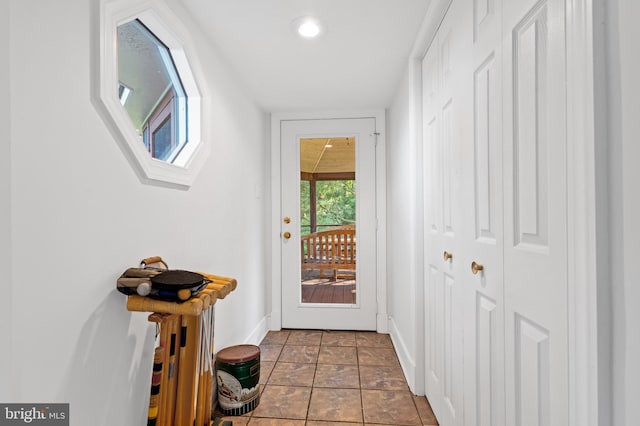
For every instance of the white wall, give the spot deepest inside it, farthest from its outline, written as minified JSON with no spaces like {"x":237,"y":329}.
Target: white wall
{"x":5,"y":206}
{"x":623,"y":68}
{"x":401,"y":232}
{"x":81,"y":216}
{"x":405,"y":207}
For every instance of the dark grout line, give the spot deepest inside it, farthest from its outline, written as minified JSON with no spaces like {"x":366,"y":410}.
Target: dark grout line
{"x":358,"y":347}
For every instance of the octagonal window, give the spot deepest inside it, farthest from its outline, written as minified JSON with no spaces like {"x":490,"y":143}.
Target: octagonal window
{"x":150,"y":90}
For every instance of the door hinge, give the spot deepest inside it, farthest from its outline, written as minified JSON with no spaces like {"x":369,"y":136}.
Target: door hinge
{"x":375,"y":139}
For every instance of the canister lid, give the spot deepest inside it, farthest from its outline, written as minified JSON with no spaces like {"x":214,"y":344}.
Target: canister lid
{"x":238,"y":353}
{"x":176,"y":279}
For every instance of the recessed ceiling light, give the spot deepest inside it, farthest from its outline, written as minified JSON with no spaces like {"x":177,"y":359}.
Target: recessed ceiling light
{"x":307,"y":27}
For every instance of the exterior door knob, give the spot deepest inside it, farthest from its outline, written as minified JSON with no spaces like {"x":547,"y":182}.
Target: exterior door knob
{"x":476,"y":267}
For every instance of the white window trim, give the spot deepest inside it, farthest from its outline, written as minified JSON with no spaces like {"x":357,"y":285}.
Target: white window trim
{"x":167,"y":27}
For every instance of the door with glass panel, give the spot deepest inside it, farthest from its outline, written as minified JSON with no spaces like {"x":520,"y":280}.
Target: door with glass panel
{"x":328,"y":224}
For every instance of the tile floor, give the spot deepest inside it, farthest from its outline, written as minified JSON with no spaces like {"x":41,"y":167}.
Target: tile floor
{"x":320,"y":378}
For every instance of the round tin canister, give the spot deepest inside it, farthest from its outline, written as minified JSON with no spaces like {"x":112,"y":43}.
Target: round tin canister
{"x":238,"y":374}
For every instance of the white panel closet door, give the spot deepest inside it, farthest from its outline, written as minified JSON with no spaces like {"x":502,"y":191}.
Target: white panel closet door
{"x":432,"y":226}
{"x":535,"y":198}
{"x":446,"y":115}
{"x":484,"y":291}
{"x":495,"y":194}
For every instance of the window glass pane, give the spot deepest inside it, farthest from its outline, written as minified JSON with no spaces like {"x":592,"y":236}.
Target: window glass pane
{"x":327,"y":221}
{"x":147,"y":77}
{"x":145,"y":137}
{"x":336,"y":203}
{"x":162,"y":141}
{"x":305,"y":209}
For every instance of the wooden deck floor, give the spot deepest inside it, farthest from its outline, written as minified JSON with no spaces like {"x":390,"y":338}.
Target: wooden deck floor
{"x":326,"y":290}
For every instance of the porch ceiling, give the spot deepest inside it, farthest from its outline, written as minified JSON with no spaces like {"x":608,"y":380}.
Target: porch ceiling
{"x":328,"y":155}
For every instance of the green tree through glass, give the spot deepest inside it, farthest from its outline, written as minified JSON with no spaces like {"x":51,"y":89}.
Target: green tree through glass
{"x":335,"y":204}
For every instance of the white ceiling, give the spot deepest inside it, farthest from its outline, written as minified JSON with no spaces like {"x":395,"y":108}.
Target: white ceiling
{"x":357,"y":62}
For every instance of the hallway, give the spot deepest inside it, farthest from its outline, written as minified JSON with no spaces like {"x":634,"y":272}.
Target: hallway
{"x":345,"y":378}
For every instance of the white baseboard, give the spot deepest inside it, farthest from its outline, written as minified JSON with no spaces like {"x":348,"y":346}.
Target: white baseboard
{"x":258,"y":333}
{"x":407,"y":362}
{"x":274,"y":320}
{"x":382,"y":323}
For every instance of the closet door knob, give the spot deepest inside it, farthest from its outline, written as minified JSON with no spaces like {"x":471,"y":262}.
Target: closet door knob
{"x":286,"y":235}
{"x":476,"y":267}
{"x":447,"y":255}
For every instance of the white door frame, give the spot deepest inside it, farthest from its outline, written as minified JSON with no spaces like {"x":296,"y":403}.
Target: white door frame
{"x":275,"y":310}
{"x":584,"y":364}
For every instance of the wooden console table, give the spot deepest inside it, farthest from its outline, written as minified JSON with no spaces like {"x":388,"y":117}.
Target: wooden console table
{"x":182,"y":380}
